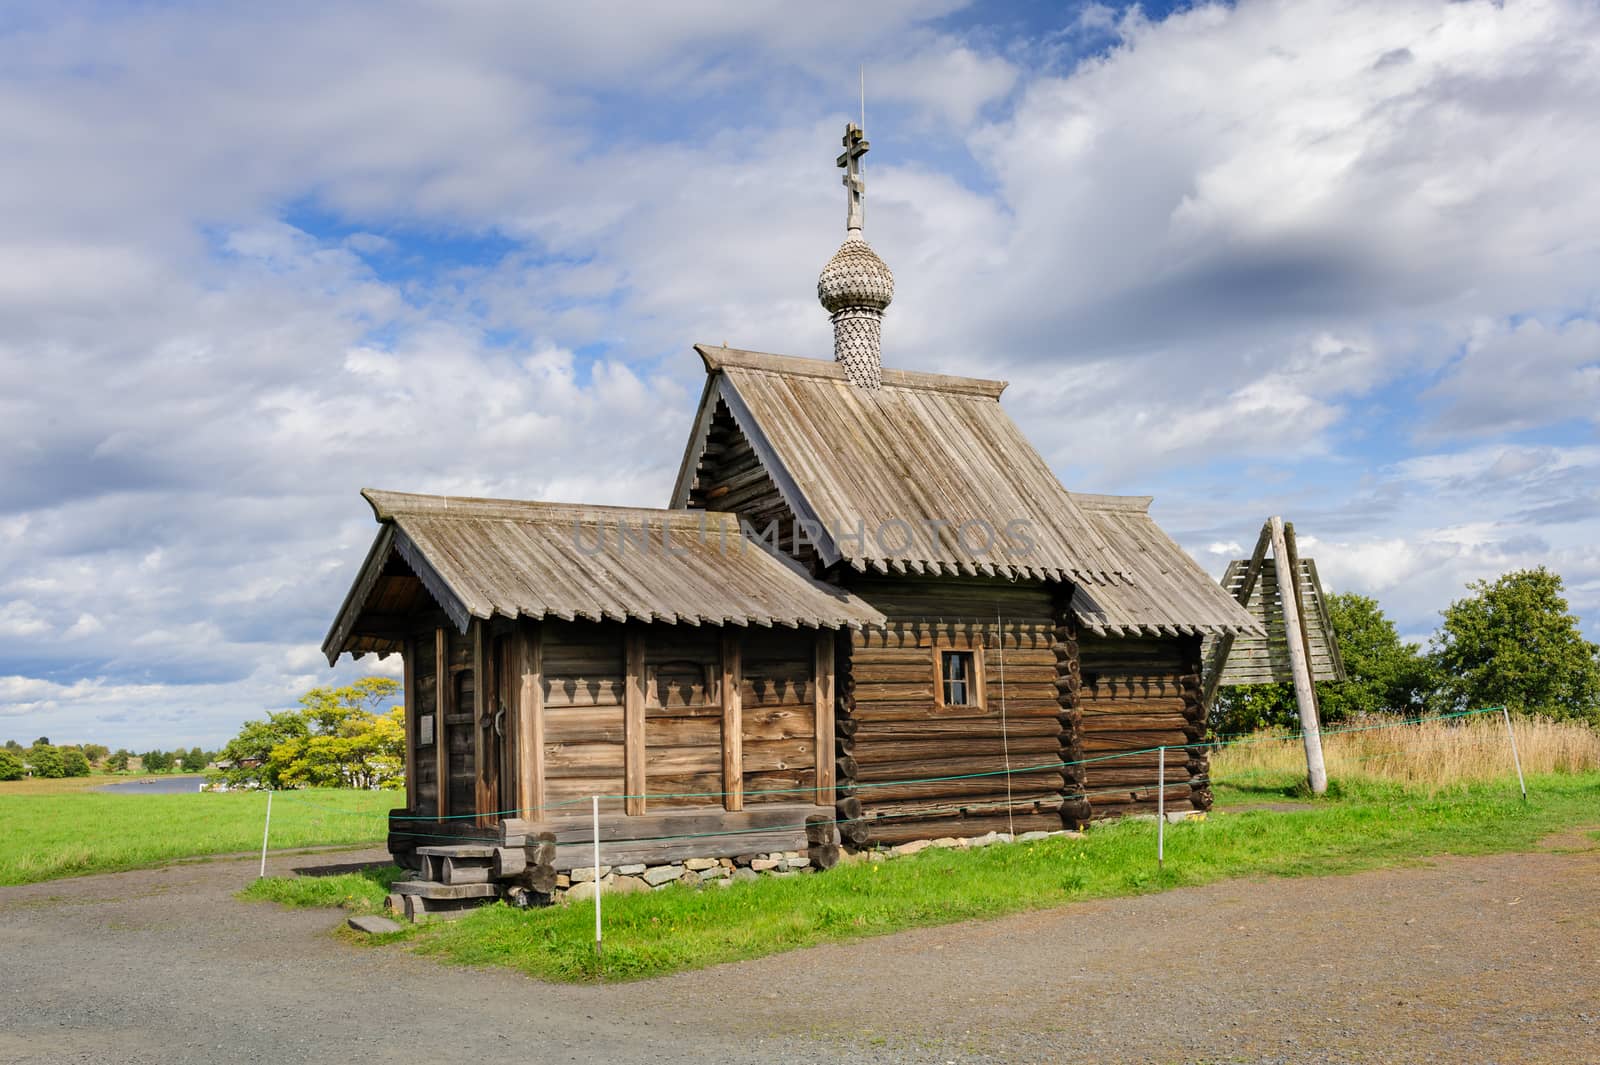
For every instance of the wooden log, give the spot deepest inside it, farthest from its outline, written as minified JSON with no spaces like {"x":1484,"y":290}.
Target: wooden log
{"x":508,"y":862}
{"x":852,"y":829}
{"x":823,"y":855}
{"x":1029,"y":802}
{"x":950,"y":767}
{"x":633,"y":723}
{"x":972,"y":727}
{"x":978,"y":787}
{"x":464,"y":871}
{"x":890,"y":832}
{"x":1022,"y":749}
{"x":732,"y":738}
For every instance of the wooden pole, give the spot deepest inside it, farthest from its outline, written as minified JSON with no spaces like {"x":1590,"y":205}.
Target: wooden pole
{"x":633,"y":773}
{"x":443,"y":688}
{"x":530,"y":729}
{"x":408,"y":660}
{"x":1305,"y":695}
{"x":822,"y":711}
{"x":595,"y":813}
{"x":732,"y":722}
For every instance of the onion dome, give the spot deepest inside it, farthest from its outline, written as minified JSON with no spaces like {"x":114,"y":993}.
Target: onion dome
{"x":855,"y":278}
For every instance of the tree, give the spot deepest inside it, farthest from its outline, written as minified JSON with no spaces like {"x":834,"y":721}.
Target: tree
{"x":118,"y":762}
{"x":74,"y":763}
{"x":96,"y":752}
{"x":10,"y":764}
{"x":1513,"y":643}
{"x":156,"y":761}
{"x":335,"y":740}
{"x":45,"y":760}
{"x":195,"y":759}
{"x":1384,"y":674}
{"x":14,"y":747}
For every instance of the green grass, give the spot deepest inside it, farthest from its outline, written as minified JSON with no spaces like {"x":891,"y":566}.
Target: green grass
{"x":46,"y":836}
{"x":668,"y":931}
{"x":359,"y":892}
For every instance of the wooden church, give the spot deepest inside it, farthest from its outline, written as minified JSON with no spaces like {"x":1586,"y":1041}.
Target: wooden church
{"x":870,"y":614}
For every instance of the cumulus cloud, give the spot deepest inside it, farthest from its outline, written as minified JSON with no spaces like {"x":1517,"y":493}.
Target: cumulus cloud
{"x":1260,"y":257}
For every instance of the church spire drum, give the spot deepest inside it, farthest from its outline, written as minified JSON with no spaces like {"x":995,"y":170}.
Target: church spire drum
{"x":856,"y":286}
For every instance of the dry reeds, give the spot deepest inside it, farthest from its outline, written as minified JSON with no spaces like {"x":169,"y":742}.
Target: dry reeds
{"x":1431,"y":754}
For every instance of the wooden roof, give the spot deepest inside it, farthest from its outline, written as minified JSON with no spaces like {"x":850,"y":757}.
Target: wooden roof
{"x":923,"y":447}
{"x":1263,"y":656}
{"x":1169,"y":593}
{"x":481,"y":558}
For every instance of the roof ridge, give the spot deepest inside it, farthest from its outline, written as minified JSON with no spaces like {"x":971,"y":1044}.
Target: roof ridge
{"x":387,"y":506}
{"x":717,"y":357}
{"x":1099,"y":501}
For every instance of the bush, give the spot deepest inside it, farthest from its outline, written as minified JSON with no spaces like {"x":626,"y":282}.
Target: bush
{"x":74,"y":763}
{"x":46,"y":761}
{"x":10,"y":765}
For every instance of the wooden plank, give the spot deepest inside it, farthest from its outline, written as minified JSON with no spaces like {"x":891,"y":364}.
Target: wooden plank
{"x":413,"y":712}
{"x":823,"y":687}
{"x":633,"y":773}
{"x":482,"y":716}
{"x":530,"y":712}
{"x":442,"y":689}
{"x":732,"y":722}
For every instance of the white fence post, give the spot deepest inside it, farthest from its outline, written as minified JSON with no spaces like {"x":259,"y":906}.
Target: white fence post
{"x":596,"y":811}
{"x":1516,"y":758}
{"x":265,"y":831}
{"x":1161,"y":808}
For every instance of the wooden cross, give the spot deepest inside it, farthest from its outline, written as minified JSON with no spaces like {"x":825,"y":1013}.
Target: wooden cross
{"x":855,"y":146}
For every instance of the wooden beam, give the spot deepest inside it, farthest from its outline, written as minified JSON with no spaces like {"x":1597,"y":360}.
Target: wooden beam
{"x":732,"y":720}
{"x":1224,"y":646}
{"x":530,"y":726}
{"x":408,"y":692}
{"x":823,"y":702}
{"x":482,"y":714}
{"x":1305,"y":696}
{"x":442,"y":691}
{"x":633,"y":723}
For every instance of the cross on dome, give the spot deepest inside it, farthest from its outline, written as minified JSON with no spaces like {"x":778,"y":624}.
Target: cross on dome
{"x":855,"y":146}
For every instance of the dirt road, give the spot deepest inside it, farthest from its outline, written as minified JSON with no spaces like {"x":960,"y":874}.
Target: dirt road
{"x":1483,"y":960}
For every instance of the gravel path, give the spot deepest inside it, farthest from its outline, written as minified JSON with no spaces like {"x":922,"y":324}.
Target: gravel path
{"x":1491,"y":959}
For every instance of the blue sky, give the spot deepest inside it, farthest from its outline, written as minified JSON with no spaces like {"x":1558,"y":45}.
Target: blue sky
{"x":1334,"y":259}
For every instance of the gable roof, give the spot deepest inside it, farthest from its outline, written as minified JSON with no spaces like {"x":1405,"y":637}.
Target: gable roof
{"x":481,"y":558}
{"x":924,"y":447}
{"x":1169,"y":593}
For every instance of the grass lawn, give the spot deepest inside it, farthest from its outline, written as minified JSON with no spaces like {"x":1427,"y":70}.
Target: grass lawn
{"x":1366,"y":825}
{"x":47,"y":833}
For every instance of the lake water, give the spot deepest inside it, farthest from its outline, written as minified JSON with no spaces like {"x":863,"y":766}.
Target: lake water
{"x":159,"y":786}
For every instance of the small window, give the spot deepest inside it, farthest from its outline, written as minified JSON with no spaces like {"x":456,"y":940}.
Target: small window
{"x":958,"y":678}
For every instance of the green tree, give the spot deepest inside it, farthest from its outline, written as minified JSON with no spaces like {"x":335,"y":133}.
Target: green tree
{"x":336,"y":739}
{"x":195,"y":759}
{"x":96,"y":752}
{"x":14,"y":747}
{"x":46,"y":761}
{"x":1514,"y":643}
{"x":118,"y":761}
{"x":156,"y":761}
{"x":1384,"y":674}
{"x":10,"y":764}
{"x":74,"y":763}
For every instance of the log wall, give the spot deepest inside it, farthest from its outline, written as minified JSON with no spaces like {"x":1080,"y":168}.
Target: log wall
{"x":459,"y":724}
{"x":584,"y":681}
{"x":423,"y":701}
{"x":730,"y":478}
{"x":1138,"y":693}
{"x":892,"y":729}
{"x":777,"y":695}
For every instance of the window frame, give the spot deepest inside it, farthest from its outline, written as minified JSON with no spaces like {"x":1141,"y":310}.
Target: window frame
{"x":978,"y":703}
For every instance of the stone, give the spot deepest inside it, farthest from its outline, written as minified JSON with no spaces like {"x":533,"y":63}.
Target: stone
{"x":657,"y":875}
{"x":394,"y":902}
{"x":690,"y":878}
{"x":373,"y":925}
{"x":628,"y":885}
{"x":716,"y":872}
{"x":726,"y":863}
{"x":579,"y":892}
{"x":723,"y":883}
{"x":988,"y":839}
{"x":782,"y":872}
{"x":876,"y":856}
{"x":945,"y":843}
{"x":743,"y":859}
{"x":586,"y":872}
{"x":764,"y":865}
{"x":916,"y":846}
{"x":745,"y":874}
{"x":636,"y":869}
{"x":563,"y":880}
{"x":696,"y":865}
{"x":796,"y":863}
{"x":1030,"y":837}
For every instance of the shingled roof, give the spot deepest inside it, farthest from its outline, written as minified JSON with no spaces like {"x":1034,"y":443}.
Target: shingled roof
{"x":924,"y":446}
{"x":481,"y":558}
{"x":1169,"y":593}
